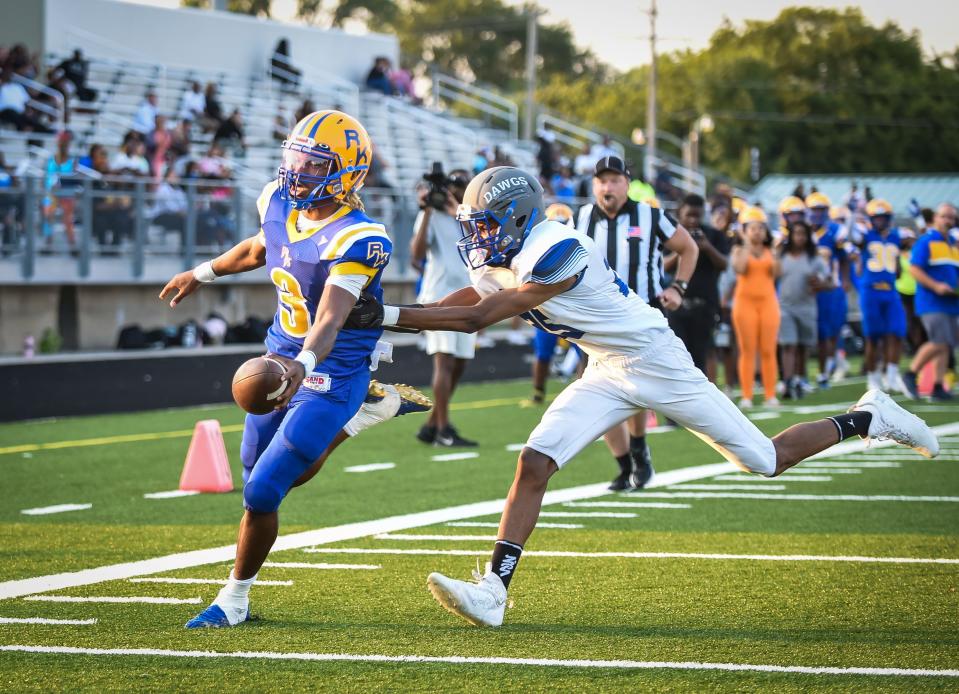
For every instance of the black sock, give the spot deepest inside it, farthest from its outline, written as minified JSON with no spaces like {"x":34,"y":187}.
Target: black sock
{"x":625,"y":463}
{"x":852,"y":424}
{"x":637,"y":444}
{"x":505,"y":558}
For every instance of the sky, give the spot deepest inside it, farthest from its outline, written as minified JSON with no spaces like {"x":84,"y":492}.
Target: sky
{"x":617,"y":31}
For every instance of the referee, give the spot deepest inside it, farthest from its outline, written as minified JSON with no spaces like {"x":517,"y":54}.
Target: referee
{"x":633,"y":235}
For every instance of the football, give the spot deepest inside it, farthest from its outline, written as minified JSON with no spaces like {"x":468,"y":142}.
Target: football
{"x":257,"y":384}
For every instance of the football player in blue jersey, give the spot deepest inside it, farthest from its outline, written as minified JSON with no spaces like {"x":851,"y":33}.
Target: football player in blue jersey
{"x":883,"y":316}
{"x":321,"y":252}
{"x":831,"y":304}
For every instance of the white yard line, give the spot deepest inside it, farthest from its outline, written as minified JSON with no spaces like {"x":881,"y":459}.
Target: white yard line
{"x":371,"y":467}
{"x":455,"y":456}
{"x":814,"y":469}
{"x":351,"y":531}
{"x":202,"y":581}
{"x":788,"y":496}
{"x":307,"y":565}
{"x":474,"y":660}
{"x":647,"y":555}
{"x":44,"y":620}
{"x":59,"y":508}
{"x":104,"y":598}
{"x":566,"y":514}
{"x":515,"y":447}
{"x":744,"y":477}
{"x":848,"y":464}
{"x":723,"y":487}
{"x":451,"y":538}
{"x":172,"y":494}
{"x":494,"y":524}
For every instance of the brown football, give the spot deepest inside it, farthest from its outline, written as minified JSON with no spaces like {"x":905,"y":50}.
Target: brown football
{"x":257,"y":384}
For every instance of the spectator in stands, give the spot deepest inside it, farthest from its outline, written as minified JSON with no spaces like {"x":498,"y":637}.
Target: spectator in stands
{"x":402,"y":81}
{"x":75,"y":70}
{"x":14,"y":100}
{"x":935,"y":265}
{"x":545,"y":155}
{"x":10,"y":208}
{"x":694,"y":321}
{"x":213,"y":165}
{"x":231,"y":130}
{"x":144,"y":121}
{"x":755,"y":308}
{"x":61,"y":186}
{"x":603,"y":149}
{"x":803,"y":274}
{"x":212,"y":109}
{"x":305,"y":109}
{"x":180,"y":144}
{"x":21,"y":63}
{"x":435,"y":233}
{"x":481,"y":160}
{"x":378,"y":78}
{"x":158,"y":144}
{"x":282,"y":69}
{"x":192,"y":103}
{"x":170,"y":203}
{"x":564,"y":187}
{"x":665,"y":190}
{"x":131,"y":159}
{"x":112,"y":216}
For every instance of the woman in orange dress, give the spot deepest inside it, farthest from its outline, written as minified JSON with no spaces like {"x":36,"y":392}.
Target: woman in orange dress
{"x":755,"y":305}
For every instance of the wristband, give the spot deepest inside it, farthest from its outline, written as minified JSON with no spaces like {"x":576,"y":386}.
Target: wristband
{"x":204,"y":272}
{"x":308,"y":360}
{"x":680,"y":286}
{"x":391,"y":315}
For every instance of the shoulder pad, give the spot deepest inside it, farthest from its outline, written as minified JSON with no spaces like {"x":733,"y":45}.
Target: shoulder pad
{"x":263,"y":202}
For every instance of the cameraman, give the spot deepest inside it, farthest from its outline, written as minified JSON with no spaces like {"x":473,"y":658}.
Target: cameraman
{"x":435,"y":235}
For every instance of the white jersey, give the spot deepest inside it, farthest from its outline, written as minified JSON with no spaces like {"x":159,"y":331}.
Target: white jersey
{"x":599,"y":313}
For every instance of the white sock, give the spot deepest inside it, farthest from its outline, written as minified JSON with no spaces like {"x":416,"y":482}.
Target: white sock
{"x":234,"y":598}
{"x":892,"y":373}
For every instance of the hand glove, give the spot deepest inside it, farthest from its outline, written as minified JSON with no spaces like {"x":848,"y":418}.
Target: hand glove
{"x":367,"y":313}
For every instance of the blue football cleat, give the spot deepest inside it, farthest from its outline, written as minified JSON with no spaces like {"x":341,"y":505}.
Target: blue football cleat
{"x":213,"y":617}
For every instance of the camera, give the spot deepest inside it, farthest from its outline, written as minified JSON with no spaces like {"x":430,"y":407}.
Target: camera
{"x":439,"y":187}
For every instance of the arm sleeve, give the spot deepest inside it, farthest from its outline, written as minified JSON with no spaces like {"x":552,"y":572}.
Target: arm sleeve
{"x":565,"y":259}
{"x":354,"y":284}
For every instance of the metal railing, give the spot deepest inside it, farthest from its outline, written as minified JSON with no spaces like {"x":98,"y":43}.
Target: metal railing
{"x":57,"y":112}
{"x":572,"y":135}
{"x":494,"y":107}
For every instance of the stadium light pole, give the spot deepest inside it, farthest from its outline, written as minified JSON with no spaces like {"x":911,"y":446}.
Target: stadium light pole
{"x":532,"y":15}
{"x":651,"y":98}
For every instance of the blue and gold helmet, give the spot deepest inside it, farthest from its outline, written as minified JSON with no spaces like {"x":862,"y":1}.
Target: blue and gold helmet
{"x":326,"y":156}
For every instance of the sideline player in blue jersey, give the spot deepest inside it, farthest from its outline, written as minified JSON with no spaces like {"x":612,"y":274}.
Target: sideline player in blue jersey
{"x":831,"y":304}
{"x":883,"y":317}
{"x":321,"y":252}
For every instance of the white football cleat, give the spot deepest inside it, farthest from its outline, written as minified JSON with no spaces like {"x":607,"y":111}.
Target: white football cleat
{"x":890,"y":421}
{"x":481,"y":604}
{"x":385,"y":401}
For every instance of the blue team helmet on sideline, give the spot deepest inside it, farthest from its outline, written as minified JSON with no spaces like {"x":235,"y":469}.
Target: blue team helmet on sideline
{"x":500,"y":206}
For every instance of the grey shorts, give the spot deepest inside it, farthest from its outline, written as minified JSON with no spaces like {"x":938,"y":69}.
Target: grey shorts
{"x":797,"y":325}
{"x":942,"y":328}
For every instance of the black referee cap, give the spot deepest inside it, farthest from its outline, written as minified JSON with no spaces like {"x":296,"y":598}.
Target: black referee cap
{"x":611,"y":164}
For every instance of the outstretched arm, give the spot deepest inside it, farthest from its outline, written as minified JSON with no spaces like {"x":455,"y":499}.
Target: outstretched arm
{"x":492,"y":309}
{"x":248,"y":254}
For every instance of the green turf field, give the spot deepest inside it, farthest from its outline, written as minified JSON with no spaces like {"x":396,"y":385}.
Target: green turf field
{"x":776,"y":579}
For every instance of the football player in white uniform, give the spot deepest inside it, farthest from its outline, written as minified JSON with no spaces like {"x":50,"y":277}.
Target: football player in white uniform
{"x":556,"y":278}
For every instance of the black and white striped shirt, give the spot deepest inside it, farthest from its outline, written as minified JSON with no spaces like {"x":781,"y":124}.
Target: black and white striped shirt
{"x":635,"y":248}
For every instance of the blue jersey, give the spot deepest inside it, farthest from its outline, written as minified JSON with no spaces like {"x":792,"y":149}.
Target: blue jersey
{"x":880,"y":259}
{"x":830,"y":248}
{"x":300,"y":262}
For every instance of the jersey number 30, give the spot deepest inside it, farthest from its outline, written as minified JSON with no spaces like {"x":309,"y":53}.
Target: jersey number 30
{"x":294,"y":315}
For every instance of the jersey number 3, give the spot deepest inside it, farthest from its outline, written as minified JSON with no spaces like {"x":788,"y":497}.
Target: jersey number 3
{"x":294,"y":315}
